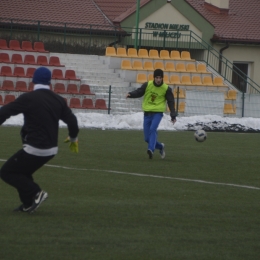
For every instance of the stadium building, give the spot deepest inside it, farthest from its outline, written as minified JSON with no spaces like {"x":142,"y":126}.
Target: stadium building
{"x":224,"y":34}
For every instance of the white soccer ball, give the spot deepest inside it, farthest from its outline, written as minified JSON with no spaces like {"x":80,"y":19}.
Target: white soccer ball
{"x":200,"y":135}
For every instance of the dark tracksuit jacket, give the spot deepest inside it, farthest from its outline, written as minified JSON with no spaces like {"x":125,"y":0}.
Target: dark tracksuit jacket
{"x":42,"y":109}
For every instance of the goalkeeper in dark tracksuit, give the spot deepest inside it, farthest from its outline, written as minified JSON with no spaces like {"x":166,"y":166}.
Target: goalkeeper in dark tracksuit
{"x":156,"y":93}
{"x":42,"y":110}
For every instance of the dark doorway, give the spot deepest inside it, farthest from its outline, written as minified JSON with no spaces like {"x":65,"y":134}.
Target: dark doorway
{"x":239,"y":80}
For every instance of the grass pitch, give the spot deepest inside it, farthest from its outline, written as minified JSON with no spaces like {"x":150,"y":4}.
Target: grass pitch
{"x":111,"y":202}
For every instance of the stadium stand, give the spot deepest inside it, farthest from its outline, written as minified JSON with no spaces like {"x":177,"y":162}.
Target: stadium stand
{"x":141,"y":78}
{"x":8,"y":98}
{"x":84,"y":89}
{"x":3,"y":44}
{"x":19,"y":72}
{"x":175,"y":79}
{"x":72,"y":89}
{"x":185,"y":55}
{"x":159,"y":65}
{"x":29,"y":59}
{"x":169,"y":66}
{"x":121,"y":52}
{"x":17,"y":58}
{"x":207,"y":81}
{"x":14,"y":45}
{"x":59,"y":88}
{"x":191,"y":67}
{"x":180,"y":67}
{"x":175,"y":55}
{"x":182,"y":93}
{"x":126,"y":65}
{"x":196,"y":80}
{"x":132,"y":52}
{"x":39,"y":47}
{"x":74,"y":103}
{"x":148,"y":65}
{"x":57,"y":74}
{"x":87,"y":103}
{"x":54,"y":61}
{"x":21,"y":86}
{"x":229,"y":109}
{"x":27,"y":46}
{"x":110,"y":51}
{"x":154,"y":54}
{"x":6,"y":71}
{"x":42,"y":60}
{"x":30,"y":72}
{"x":101,"y":104}
{"x":164,"y":54}
{"x":8,"y":85}
{"x":231,"y":95}
{"x":185,"y":80}
{"x":4,"y":57}
{"x":70,"y":75}
{"x":143,"y":53}
{"x":137,"y":65}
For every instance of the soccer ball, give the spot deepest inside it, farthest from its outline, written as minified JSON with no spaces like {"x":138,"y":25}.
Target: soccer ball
{"x":200,"y":135}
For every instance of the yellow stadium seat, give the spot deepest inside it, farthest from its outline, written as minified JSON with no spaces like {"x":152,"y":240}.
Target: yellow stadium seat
{"x":196,"y":80}
{"x":207,"y":81}
{"x":132,"y":52}
{"x":218,"y":81}
{"x":229,"y":109}
{"x":191,"y":67}
{"x":110,"y":51}
{"x":166,"y":79}
{"x":169,"y":66}
{"x":158,"y":65}
{"x":137,"y":65}
{"x":164,"y":54}
{"x":148,"y":65}
{"x":141,"y":78}
{"x":175,"y":79}
{"x":231,"y":95}
{"x":143,"y":53}
{"x":175,"y":55}
{"x":201,"y":68}
{"x":180,"y":67}
{"x":185,"y":80}
{"x":121,"y":52}
{"x":126,"y":65}
{"x":182,"y":93}
{"x":185,"y":55}
{"x":150,"y":77}
{"x":154,"y":54}
{"x":181,"y":107}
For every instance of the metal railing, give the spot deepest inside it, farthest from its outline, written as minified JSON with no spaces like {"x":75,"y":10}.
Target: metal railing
{"x":93,"y":39}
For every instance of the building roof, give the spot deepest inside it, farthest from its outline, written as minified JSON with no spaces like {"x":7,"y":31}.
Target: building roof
{"x":60,"y":11}
{"x":240,"y":23}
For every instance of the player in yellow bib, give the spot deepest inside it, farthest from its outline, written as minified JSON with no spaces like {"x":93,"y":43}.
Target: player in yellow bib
{"x":156,"y":93}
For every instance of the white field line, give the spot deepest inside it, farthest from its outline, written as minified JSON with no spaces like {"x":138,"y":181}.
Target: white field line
{"x":153,"y":176}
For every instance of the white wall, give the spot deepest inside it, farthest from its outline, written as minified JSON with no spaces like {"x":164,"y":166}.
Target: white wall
{"x":246,"y":54}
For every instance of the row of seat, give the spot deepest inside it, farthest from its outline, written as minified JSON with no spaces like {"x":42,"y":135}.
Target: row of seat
{"x":183,"y":80}
{"x":168,"y":66}
{"x":17,"y":58}
{"x":145,"y":54}
{"x":228,"y":108}
{"x":24,"y":46}
{"x":181,"y":93}
{"x":21,"y":86}
{"x":87,"y":103}
{"x":20,"y":72}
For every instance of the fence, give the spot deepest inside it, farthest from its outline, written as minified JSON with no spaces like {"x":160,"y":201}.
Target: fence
{"x":93,"y":39}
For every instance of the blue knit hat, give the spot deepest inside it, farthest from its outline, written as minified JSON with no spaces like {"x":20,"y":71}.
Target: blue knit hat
{"x":42,"y":76}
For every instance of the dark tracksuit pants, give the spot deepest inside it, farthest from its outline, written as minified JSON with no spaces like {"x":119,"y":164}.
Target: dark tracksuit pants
{"x":18,"y":170}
